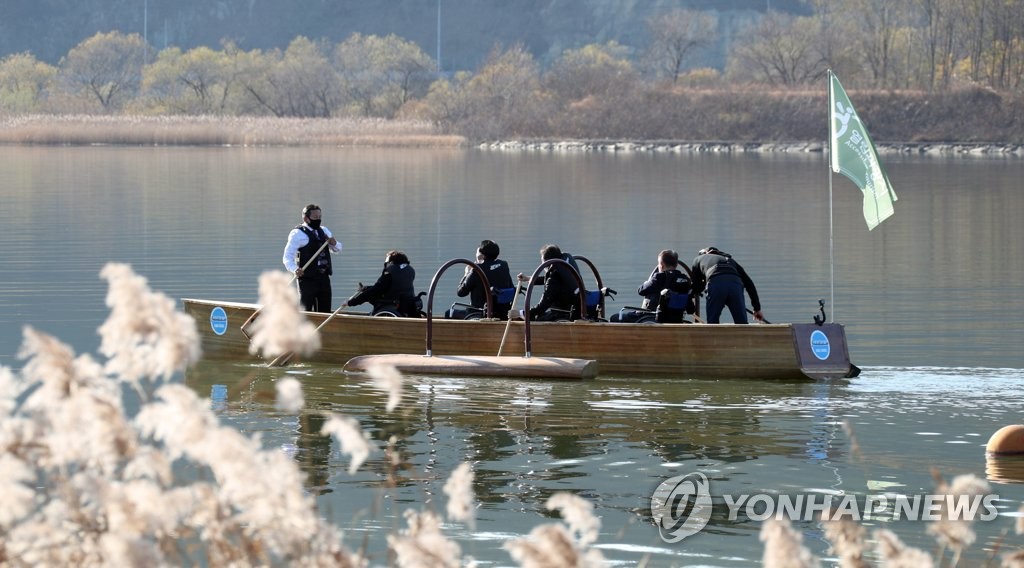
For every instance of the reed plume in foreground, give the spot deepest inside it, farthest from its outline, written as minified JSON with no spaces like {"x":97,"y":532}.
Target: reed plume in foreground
{"x":955,"y":534}
{"x":422,"y":544}
{"x":386,"y":378}
{"x":351,"y":437}
{"x":552,"y":545}
{"x":289,"y":396}
{"x":894,"y":554}
{"x":145,"y":336}
{"x":280,"y":326}
{"x":459,"y":489}
{"x":86,"y":484}
{"x":847,"y":540}
{"x":783,"y":546}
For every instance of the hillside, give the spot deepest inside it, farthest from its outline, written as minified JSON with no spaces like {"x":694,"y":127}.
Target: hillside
{"x":469,"y":28}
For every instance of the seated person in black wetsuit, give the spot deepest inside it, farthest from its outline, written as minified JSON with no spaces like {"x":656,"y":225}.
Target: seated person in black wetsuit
{"x":393,"y":291}
{"x":560,"y":290}
{"x":498,"y":276}
{"x":657,"y":290}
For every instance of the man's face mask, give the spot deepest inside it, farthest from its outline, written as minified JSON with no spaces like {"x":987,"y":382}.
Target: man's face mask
{"x":314,"y":223}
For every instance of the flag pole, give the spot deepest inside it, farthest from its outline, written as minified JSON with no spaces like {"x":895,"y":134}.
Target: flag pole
{"x":853,"y":154}
{"x":831,"y":238}
{"x":831,"y":252}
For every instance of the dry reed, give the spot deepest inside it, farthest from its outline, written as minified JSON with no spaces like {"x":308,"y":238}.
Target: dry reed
{"x":351,"y":437}
{"x":289,"y":395}
{"x":386,"y":378}
{"x":86,"y":484}
{"x":783,"y":546}
{"x":459,"y":489}
{"x":552,"y":545}
{"x":423,"y":545}
{"x":847,"y":540}
{"x":220,"y":131}
{"x":894,"y":554}
{"x":280,"y":326}
{"x":955,"y":534}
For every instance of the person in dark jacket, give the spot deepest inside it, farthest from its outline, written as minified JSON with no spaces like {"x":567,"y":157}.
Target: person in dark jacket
{"x":303,"y":242}
{"x":498,"y":277}
{"x":665,"y":280}
{"x":723,"y":280}
{"x":560,"y":289}
{"x":393,"y":291}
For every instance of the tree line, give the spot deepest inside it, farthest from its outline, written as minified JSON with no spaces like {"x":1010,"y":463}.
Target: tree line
{"x":929,"y":50}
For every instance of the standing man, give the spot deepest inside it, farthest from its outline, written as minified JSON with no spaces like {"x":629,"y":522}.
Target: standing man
{"x":724,"y":280}
{"x":304,"y":242}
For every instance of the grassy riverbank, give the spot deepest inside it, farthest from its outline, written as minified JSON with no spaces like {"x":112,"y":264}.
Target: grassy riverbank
{"x":220,"y":131}
{"x":968,"y":121}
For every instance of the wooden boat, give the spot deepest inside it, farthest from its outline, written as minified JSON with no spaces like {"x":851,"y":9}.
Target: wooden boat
{"x":759,"y":351}
{"x":763,"y":351}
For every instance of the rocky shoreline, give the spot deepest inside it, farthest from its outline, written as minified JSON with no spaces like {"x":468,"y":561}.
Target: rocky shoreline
{"x":937,"y":149}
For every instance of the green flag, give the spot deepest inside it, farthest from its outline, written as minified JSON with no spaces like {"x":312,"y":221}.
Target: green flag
{"x":852,"y":154}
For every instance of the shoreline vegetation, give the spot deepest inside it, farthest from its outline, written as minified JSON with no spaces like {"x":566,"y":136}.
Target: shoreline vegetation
{"x":180,"y":130}
{"x":120,"y":130}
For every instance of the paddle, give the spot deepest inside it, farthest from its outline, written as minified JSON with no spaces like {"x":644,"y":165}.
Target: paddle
{"x":751,"y":312}
{"x":511,"y":310}
{"x":282,"y":359}
{"x":294,"y":276}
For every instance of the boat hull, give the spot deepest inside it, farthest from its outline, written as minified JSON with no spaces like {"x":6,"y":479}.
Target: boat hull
{"x":761,"y":351}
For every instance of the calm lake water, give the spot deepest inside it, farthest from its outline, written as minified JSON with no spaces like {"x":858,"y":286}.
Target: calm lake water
{"x":931,"y":299}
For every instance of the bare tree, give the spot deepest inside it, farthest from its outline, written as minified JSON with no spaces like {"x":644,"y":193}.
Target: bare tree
{"x":380,"y":74}
{"x":193,"y":82}
{"x":23,"y":83}
{"x":502,"y":99}
{"x":872,"y":30}
{"x":676,"y":37}
{"x":300,"y":82}
{"x":594,"y":70}
{"x":780,"y":50}
{"x":107,"y":67}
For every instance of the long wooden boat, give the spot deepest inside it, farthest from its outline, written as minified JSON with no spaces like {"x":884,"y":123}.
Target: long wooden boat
{"x":756,"y":351}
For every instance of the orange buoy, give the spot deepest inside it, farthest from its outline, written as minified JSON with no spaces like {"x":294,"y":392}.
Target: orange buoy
{"x":1007,"y":441}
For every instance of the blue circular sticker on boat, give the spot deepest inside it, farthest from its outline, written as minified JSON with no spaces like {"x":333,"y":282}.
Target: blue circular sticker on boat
{"x":219,"y":320}
{"x":819,"y":344}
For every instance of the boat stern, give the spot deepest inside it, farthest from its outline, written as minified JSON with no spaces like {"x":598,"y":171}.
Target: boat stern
{"x":822,"y":351}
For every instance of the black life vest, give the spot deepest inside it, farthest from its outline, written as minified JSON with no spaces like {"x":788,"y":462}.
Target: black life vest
{"x":322,"y":264}
{"x":401,"y":291}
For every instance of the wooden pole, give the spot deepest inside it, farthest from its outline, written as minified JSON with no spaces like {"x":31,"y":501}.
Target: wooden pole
{"x":511,"y":311}
{"x":247,"y":322}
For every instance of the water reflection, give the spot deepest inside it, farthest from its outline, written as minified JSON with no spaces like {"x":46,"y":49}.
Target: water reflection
{"x":611,"y":441}
{"x":1005,"y":469}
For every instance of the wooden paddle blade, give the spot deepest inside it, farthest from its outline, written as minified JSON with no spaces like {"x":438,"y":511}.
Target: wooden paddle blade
{"x":281,"y":360}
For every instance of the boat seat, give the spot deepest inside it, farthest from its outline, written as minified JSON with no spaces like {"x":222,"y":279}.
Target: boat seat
{"x":592,"y":298}
{"x":670,"y":306}
{"x":464,"y":311}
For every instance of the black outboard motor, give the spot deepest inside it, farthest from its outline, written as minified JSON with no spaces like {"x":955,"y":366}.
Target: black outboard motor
{"x":820,"y":320}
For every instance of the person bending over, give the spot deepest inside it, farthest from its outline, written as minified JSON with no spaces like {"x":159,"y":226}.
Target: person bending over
{"x":723,"y":280}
